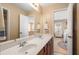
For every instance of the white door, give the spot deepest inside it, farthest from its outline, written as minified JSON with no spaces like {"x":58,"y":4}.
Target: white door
{"x":24,"y":21}
{"x":69,"y":28}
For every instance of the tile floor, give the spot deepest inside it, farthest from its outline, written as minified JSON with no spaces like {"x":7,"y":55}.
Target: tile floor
{"x":59,"y":47}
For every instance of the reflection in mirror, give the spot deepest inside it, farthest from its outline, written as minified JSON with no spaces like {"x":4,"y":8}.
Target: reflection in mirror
{"x":3,"y":25}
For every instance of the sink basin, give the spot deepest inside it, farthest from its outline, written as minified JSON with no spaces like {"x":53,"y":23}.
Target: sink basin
{"x":25,"y":48}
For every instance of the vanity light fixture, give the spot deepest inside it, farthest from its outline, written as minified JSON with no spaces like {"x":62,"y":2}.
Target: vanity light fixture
{"x":35,"y":6}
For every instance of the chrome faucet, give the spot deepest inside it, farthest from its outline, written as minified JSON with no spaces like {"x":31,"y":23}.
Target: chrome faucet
{"x":22,"y":44}
{"x":40,"y":36}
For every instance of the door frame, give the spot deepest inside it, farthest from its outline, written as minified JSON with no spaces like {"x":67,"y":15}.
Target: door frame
{"x":74,"y":45}
{"x":75,"y":29}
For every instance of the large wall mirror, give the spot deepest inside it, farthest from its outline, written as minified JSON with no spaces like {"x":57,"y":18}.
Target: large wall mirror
{"x":3,"y":24}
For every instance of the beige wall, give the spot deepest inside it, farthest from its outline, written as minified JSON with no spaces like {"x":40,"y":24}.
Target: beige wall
{"x":14,"y":13}
{"x":47,"y":14}
{"x":78,"y":29}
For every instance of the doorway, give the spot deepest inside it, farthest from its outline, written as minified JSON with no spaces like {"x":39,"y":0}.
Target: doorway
{"x":65,"y":43}
{"x":5,"y":17}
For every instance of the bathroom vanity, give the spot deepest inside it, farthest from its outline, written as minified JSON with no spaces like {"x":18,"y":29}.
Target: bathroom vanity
{"x":47,"y":49}
{"x":36,"y":45}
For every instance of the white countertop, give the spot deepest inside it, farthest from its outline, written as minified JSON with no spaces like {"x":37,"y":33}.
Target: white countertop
{"x":36,"y":42}
{"x":3,"y":38}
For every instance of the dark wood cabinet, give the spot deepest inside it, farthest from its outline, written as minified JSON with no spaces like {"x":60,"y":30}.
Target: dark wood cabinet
{"x":47,"y":49}
{"x":41,"y":52}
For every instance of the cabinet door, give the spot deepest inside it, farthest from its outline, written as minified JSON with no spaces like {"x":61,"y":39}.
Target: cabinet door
{"x":41,"y":52}
{"x":51,"y":46}
{"x":48,"y":49}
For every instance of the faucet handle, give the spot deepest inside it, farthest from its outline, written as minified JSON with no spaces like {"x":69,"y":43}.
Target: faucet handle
{"x":20,"y":44}
{"x":24,"y":42}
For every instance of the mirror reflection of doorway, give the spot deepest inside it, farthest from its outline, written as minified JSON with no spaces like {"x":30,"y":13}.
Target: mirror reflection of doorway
{"x":5,"y":13}
{"x":67,"y":41}
{"x":4,"y":18}
{"x":60,"y":19}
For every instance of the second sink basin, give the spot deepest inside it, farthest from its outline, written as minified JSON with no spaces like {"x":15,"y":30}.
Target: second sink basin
{"x":27,"y":47}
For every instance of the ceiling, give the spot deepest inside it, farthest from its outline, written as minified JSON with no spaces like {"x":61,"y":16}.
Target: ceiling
{"x":24,"y":6}
{"x":45,"y":4}
{"x":28,"y":7}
